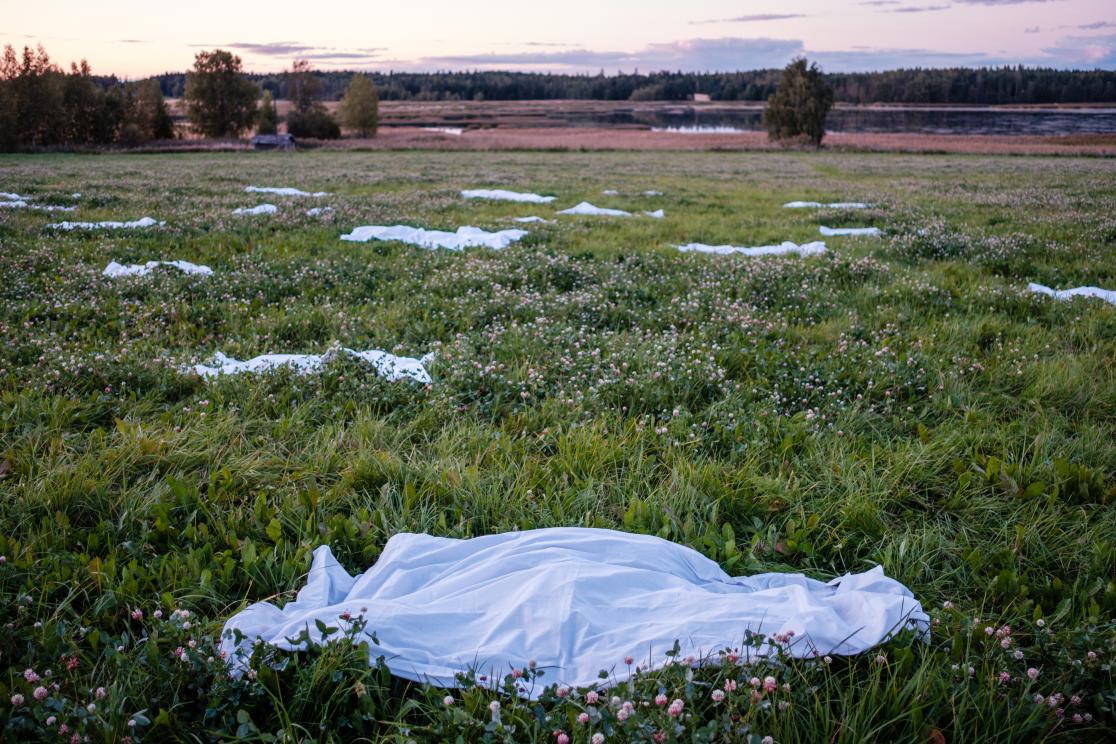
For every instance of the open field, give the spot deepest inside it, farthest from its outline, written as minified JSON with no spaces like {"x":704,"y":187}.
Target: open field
{"x":901,"y":401}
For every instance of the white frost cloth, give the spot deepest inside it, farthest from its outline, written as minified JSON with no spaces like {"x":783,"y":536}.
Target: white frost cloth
{"x":465,"y":237}
{"x":40,"y":207}
{"x":390,"y":366}
{"x":830,"y":232}
{"x":282,"y":191}
{"x":318,"y":211}
{"x":576,"y":600}
{"x":657,"y":214}
{"x":9,"y":196}
{"x":107,"y":225}
{"x":1108,"y":295}
{"x":585,"y":208}
{"x":530,"y":219}
{"x":261,"y":209}
{"x":115,"y":269}
{"x":807,"y":249}
{"x":819,"y":205}
{"x":502,"y":195}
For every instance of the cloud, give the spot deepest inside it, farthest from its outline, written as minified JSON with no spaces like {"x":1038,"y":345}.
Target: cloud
{"x":1032,"y":30}
{"x":272,"y":49}
{"x":1096,"y":25}
{"x":755,"y":18}
{"x":1088,"y":52}
{"x":919,"y":9}
{"x":690,"y":56}
{"x":1004,"y":2}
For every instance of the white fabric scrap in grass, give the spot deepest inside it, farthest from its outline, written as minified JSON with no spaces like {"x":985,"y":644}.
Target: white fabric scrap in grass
{"x":389,"y":366}
{"x":577,"y":600}
{"x":318,"y":211}
{"x":530,"y":219}
{"x":1108,"y":295}
{"x":453,"y":131}
{"x":115,"y":269}
{"x":25,"y":203}
{"x":831,"y":232}
{"x":585,"y":208}
{"x":502,"y":195}
{"x":465,"y":237}
{"x":107,"y":225}
{"x":261,"y":209}
{"x":657,"y":214}
{"x":9,"y":196}
{"x":819,"y":205}
{"x":807,"y":249}
{"x":282,"y":191}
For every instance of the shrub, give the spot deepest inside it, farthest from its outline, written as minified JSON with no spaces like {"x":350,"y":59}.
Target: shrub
{"x":799,"y":106}
{"x":360,"y":108}
{"x":313,"y":124}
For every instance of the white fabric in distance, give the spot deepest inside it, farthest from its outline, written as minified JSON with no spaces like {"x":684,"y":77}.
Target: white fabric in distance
{"x":390,"y":366}
{"x":465,"y":237}
{"x":9,"y":196}
{"x":530,"y":219}
{"x":107,"y":225}
{"x":819,"y":205}
{"x":657,"y":214}
{"x":261,"y":209}
{"x":282,"y":191}
{"x":830,"y":232}
{"x":585,"y":208}
{"x":115,"y":269}
{"x":1108,"y":295}
{"x":807,"y":249}
{"x":502,"y":195}
{"x":40,"y":207}
{"x":318,"y":211}
{"x":577,"y":600}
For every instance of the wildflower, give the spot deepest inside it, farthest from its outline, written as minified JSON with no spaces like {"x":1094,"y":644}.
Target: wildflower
{"x":158,"y":614}
{"x":137,"y":615}
{"x":494,"y":706}
{"x":827,"y":659}
{"x":30,"y":676}
{"x":583,"y":718}
{"x":92,"y":707}
{"x":881,"y":659}
{"x":1039,"y":699}
{"x":1091,"y":656}
{"x":1077,"y":718}
{"x":1005,"y":643}
{"x":516,"y":673}
{"x":17,"y":700}
{"x":622,"y":714}
{"x":659,"y":736}
{"x":947,"y":605}
{"x":131,"y":723}
{"x":100,"y":693}
{"x":51,"y":720}
{"x":769,"y":684}
{"x":1004,"y":678}
{"x":628,"y":660}
{"x":1018,"y":655}
{"x":532,"y":664}
{"x":1075,"y":700}
{"x":660,"y":699}
{"x":598,"y":738}
{"x":754,"y":682}
{"x":717,"y":695}
{"x":784,"y":704}
{"x":1032,"y":674}
{"x":592,"y":697}
{"x":40,"y":693}
{"x":560,"y":737}
{"x":360,"y":689}
{"x":562,"y":691}
{"x":447,"y":700}
{"x":675,"y":708}
{"x":767,"y":740}
{"x":1041,"y":623}
{"x":730,"y":685}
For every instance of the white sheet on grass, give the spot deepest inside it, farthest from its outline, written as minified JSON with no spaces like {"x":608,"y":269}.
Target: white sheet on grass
{"x":9,"y":196}
{"x":576,"y":600}
{"x":261,"y":209}
{"x":502,"y":195}
{"x":657,"y":214}
{"x":585,"y":208}
{"x":838,"y":231}
{"x":318,"y":211}
{"x":530,"y":219}
{"x":282,"y":191}
{"x":454,"y":131}
{"x":115,"y":269}
{"x":389,"y":366}
{"x":1108,"y":295}
{"x":107,"y":225}
{"x":465,"y":237}
{"x":806,"y":249}
{"x":819,"y":205}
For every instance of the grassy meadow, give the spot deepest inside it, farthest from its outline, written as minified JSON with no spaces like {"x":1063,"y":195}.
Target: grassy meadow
{"x":901,"y":401}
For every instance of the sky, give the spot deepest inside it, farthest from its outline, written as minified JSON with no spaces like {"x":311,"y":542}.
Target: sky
{"x":137,"y":38}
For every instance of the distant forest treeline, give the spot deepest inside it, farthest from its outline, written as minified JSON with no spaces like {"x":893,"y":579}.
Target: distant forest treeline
{"x":1006,"y":85}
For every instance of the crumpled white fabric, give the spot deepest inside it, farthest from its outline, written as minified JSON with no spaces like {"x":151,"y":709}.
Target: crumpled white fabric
{"x":530,"y":219}
{"x":1108,"y":295}
{"x":318,"y":211}
{"x":282,"y":191}
{"x":465,"y":237}
{"x":261,"y":209}
{"x":576,"y":600}
{"x":41,"y":207}
{"x":657,"y":214}
{"x":835,"y":231}
{"x":585,"y":208}
{"x":9,"y":196}
{"x":115,"y":269}
{"x":389,"y":366}
{"x":107,"y":225}
{"x":807,"y":249}
{"x":502,"y":195}
{"x":818,"y":205}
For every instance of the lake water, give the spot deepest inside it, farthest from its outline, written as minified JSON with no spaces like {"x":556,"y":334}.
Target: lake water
{"x":929,"y":120}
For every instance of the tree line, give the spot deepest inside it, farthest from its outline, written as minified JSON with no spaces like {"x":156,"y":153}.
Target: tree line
{"x":976,"y":86}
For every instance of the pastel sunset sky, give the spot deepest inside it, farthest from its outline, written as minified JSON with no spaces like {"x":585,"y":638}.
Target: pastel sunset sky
{"x":135,"y":38}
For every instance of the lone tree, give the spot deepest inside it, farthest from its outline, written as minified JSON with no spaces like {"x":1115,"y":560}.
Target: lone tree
{"x":220,"y":101}
{"x":798,"y":108}
{"x":360,"y":108}
{"x":267,"y":120}
{"x":309,"y":118}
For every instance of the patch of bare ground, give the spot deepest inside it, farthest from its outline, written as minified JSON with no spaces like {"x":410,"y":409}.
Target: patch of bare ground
{"x":588,"y":139}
